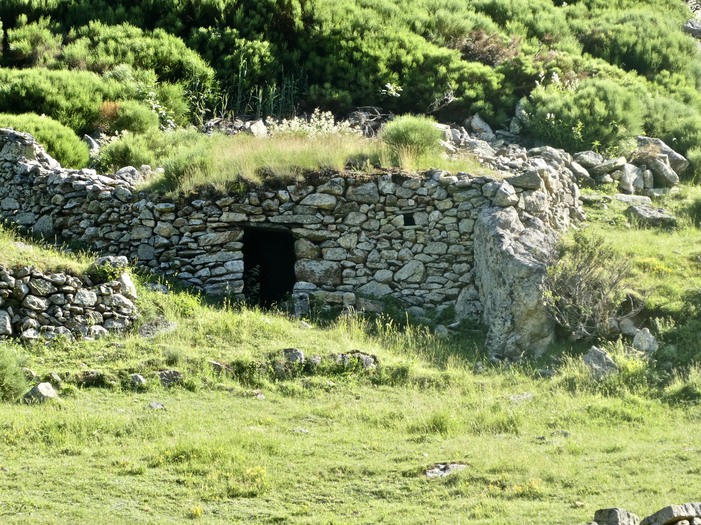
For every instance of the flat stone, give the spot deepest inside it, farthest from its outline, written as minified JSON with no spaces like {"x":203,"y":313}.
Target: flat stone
{"x":375,"y":289}
{"x":505,"y":195}
{"x":673,"y":514}
{"x":323,"y":201}
{"x":318,"y":272}
{"x":588,"y":159}
{"x":528,"y":181}
{"x":37,"y":304}
{"x":606,"y":167}
{"x":633,"y":200}
{"x":645,"y":342}
{"x":41,"y":287}
{"x":367,"y":193}
{"x":615,"y":516}
{"x":649,"y":216}
{"x":5,"y":323}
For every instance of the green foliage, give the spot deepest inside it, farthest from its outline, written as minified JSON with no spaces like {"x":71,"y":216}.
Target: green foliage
{"x":72,"y":98}
{"x":129,"y":115}
{"x":33,"y":45}
{"x":60,"y":141}
{"x":592,"y":114}
{"x":409,"y":138}
{"x":583,"y":290}
{"x":12,"y":381}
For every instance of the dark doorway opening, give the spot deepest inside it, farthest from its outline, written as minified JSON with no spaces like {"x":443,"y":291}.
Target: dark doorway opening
{"x":268,"y":265}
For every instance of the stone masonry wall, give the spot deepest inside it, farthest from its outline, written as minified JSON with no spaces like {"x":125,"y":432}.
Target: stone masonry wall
{"x":407,"y":237}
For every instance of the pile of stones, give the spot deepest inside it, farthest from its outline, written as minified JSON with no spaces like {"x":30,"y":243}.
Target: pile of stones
{"x":686,"y":514}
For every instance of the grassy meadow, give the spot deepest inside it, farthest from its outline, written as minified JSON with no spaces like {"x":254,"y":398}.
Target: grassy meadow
{"x":253,"y":440}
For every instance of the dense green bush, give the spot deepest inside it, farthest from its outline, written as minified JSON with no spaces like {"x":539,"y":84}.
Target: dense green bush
{"x":128,"y":115}
{"x":592,"y":114}
{"x":60,"y":141}
{"x":34,"y":44}
{"x":12,"y":381}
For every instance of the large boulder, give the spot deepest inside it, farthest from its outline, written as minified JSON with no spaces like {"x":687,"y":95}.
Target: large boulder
{"x":509,"y":270}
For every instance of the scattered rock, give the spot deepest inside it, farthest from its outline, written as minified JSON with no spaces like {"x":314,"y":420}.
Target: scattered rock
{"x":137,"y":381}
{"x":615,"y":516}
{"x":40,"y":393}
{"x":159,"y":325}
{"x":645,"y":342}
{"x":441,"y":470}
{"x":170,"y":378}
{"x":599,"y":363}
{"x":649,"y":216}
{"x":674,"y":514}
{"x":366,"y":361}
{"x":293,"y":355}
{"x":155,"y":405}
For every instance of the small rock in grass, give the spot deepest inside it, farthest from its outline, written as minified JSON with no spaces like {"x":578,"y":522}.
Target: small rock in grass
{"x":644,"y":341}
{"x":599,"y":363}
{"x":40,"y":393}
{"x":441,"y":470}
{"x":155,"y":405}
{"x":137,"y":381}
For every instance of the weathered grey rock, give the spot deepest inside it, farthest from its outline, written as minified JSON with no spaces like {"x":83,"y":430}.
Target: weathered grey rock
{"x":137,"y":381}
{"x":581,"y":174}
{"x":441,"y":470}
{"x":693,"y":27}
{"x":170,"y":377}
{"x":412,"y":272}
{"x":588,"y":159}
{"x":647,"y":145}
{"x":85,"y":298}
{"x":662,"y":173}
{"x":599,"y":363}
{"x":649,"y":216}
{"x":38,"y":304}
{"x":40,"y":393}
{"x":356,"y":357}
{"x":509,"y":269}
{"x":323,"y":201}
{"x":293,"y":355}
{"x":318,"y":272}
{"x":375,"y":289}
{"x":528,"y":181}
{"x":505,"y":195}
{"x":674,"y":514}
{"x":257,"y":128}
{"x":41,"y":287}
{"x":606,"y":167}
{"x":645,"y":342}
{"x":631,"y":180}
{"x":615,"y":516}
{"x":115,"y":261}
{"x":633,"y":200}
{"x":126,"y":286}
{"x":481,"y":128}
{"x":5,"y":323}
{"x":367,"y":193}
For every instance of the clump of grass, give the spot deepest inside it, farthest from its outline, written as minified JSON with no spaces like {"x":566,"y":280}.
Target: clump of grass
{"x":12,"y":381}
{"x":410,"y":139}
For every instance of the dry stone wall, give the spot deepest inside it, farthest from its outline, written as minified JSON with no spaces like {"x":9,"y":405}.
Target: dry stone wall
{"x":411,"y":238}
{"x":37,"y":305}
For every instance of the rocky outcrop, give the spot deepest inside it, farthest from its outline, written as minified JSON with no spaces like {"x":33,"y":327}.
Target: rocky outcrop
{"x":509,"y":269}
{"x":415,"y":239}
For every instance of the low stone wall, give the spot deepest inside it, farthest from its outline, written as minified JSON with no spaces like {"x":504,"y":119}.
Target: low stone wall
{"x":34,"y":305}
{"x":410,"y":238}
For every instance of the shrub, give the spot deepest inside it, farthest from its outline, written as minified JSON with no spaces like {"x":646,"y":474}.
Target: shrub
{"x":130,"y":150}
{"x":128,"y":115}
{"x":12,"y":381}
{"x":34,"y":44}
{"x":583,"y":289}
{"x":409,"y":138}
{"x":60,"y":141}
{"x":594,"y":114}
